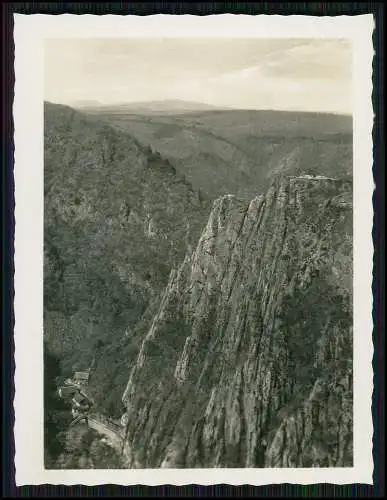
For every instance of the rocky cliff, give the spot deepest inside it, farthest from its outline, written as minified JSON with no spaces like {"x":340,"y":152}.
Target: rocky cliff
{"x":248,"y":361}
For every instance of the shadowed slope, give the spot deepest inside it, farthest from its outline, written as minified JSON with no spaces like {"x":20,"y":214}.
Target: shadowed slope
{"x":117,"y":218}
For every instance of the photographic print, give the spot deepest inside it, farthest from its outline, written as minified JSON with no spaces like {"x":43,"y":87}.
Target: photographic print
{"x":198,"y":252}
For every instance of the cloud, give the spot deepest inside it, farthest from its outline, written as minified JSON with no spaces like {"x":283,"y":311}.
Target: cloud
{"x":251,"y":73}
{"x":307,"y":76}
{"x":325,"y":59}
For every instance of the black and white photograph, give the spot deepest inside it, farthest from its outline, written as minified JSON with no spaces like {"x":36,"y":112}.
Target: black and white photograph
{"x":198,"y":252}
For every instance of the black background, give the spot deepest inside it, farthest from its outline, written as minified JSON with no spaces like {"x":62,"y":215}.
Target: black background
{"x":194,"y":8}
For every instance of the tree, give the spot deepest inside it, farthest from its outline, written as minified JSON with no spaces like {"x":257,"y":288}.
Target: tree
{"x":56,"y":413}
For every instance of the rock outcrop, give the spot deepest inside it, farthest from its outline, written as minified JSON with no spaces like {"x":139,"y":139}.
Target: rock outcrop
{"x":248,"y":361}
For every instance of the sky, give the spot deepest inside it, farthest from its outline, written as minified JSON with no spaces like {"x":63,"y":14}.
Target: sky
{"x":256,"y":73}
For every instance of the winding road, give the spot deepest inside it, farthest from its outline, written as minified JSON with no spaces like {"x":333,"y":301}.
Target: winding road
{"x":114,"y":436}
{"x":114,"y":433}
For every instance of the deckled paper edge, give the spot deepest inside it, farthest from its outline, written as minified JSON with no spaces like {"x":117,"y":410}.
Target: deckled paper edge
{"x":29,"y":33}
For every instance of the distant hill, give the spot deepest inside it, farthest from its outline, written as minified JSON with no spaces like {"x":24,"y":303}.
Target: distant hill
{"x":86,"y":104}
{"x":168,"y":106}
{"x":240,"y":151}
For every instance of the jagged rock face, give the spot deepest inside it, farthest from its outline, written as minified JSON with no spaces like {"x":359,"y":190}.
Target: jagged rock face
{"x":248,"y":362}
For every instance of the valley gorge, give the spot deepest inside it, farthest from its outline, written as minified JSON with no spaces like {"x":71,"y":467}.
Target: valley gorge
{"x":220,"y":326}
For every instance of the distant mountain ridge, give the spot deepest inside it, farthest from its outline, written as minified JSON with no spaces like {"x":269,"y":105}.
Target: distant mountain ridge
{"x":239,"y":151}
{"x":162,"y":106}
{"x":86,"y":103}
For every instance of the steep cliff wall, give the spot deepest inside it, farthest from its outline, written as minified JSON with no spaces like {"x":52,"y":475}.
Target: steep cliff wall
{"x":248,"y":362}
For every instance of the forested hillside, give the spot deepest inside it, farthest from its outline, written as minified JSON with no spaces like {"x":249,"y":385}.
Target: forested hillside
{"x":117,"y":218}
{"x":240,"y":151}
{"x":200,"y":265}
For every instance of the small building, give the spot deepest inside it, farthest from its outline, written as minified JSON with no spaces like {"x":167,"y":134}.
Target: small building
{"x":87,"y":396}
{"x":75,"y":412}
{"x":81,"y":378}
{"x":80,"y":402}
{"x":67,"y":391}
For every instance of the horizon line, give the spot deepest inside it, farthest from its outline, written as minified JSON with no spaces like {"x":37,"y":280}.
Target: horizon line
{"x":209,"y":106}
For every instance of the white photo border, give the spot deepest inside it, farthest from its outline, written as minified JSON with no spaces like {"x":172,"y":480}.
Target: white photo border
{"x":30,"y":32}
